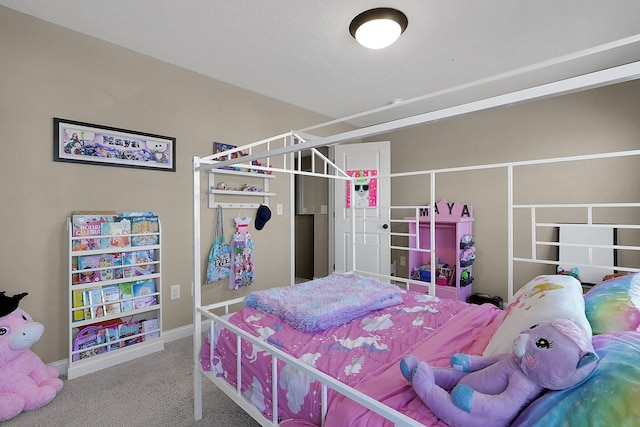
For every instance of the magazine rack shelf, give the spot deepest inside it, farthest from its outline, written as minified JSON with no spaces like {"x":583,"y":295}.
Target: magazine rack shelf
{"x":115,"y":310}
{"x":227,"y":197}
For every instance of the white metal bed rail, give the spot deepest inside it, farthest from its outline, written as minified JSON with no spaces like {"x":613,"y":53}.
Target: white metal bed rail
{"x":589,"y":207}
{"x":326,"y":381}
{"x":596,"y":79}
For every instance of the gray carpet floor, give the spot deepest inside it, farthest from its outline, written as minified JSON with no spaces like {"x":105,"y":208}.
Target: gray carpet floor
{"x":156,"y":390}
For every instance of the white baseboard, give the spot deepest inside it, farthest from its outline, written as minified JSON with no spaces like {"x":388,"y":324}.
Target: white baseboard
{"x":167,"y":336}
{"x":177,"y":333}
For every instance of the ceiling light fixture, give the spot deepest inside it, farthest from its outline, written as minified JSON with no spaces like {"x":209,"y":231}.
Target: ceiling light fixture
{"x":378,"y":28}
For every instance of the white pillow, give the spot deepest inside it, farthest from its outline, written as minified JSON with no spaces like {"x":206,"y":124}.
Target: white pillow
{"x":544,"y":298}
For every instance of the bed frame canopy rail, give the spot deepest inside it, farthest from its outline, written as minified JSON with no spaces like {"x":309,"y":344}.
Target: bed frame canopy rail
{"x":585,"y":211}
{"x":208,"y":313}
{"x":289,"y":148}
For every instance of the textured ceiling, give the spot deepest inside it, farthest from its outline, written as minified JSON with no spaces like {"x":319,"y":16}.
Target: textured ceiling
{"x":301,"y":52}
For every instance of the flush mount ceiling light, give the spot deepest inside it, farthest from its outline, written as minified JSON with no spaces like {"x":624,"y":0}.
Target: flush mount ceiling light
{"x":378,"y":28}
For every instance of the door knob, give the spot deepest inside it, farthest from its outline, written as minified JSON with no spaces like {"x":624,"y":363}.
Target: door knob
{"x":385,"y":226}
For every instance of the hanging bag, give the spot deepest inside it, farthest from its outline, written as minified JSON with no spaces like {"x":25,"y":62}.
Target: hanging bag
{"x":242,"y":272}
{"x":220,"y":254}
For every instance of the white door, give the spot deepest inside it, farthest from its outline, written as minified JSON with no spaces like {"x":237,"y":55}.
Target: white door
{"x":372,"y":198}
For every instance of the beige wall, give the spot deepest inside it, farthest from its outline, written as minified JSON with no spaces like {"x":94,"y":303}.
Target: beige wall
{"x":48,"y":71}
{"x":599,"y":120}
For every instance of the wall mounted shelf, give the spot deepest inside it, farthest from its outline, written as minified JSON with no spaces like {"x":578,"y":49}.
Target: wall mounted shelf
{"x":230,"y":197}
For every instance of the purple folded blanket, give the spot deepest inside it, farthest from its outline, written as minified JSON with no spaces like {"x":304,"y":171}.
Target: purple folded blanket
{"x":321,"y":303}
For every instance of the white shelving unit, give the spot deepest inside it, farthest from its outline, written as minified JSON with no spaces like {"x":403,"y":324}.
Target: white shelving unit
{"x":448,"y":234}
{"x":122,"y":349}
{"x":236,"y":177}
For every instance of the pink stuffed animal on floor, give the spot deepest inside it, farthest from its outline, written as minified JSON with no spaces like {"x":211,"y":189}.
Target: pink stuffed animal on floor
{"x":492,"y":390}
{"x":25,"y":382}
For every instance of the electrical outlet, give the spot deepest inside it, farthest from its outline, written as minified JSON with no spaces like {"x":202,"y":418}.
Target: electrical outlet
{"x":175,"y":291}
{"x":279,"y":209}
{"x":403,"y":261}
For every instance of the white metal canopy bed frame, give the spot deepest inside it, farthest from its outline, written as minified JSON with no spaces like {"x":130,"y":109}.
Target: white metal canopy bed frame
{"x":285,"y":146}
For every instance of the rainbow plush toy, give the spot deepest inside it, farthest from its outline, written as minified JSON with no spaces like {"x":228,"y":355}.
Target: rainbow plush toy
{"x":25,"y":382}
{"x":492,"y":390}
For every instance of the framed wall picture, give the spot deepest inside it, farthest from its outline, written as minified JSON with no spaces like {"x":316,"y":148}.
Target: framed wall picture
{"x":79,"y":142}
{"x":366,"y":188}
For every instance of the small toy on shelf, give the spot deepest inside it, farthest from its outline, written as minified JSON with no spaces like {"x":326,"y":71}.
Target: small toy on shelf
{"x":467,"y":256}
{"x":257,"y":163}
{"x":465,"y":277}
{"x":26,"y":383}
{"x":443,"y":273}
{"x":466,"y":241}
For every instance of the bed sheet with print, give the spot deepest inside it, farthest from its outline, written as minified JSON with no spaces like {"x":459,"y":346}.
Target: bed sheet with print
{"x":356,"y":352}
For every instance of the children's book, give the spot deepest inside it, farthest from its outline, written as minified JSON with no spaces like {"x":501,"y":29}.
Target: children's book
{"x":137,"y":213}
{"x":143,"y":294}
{"x":143,"y":225}
{"x":86,"y":225}
{"x":86,"y":342}
{"x":97,"y":311}
{"x":129,"y":329}
{"x":113,"y":335}
{"x":78,"y":301}
{"x":86,"y":339}
{"x":101,"y":338}
{"x":93,"y":297}
{"x":151,"y":329}
{"x":117,"y":261}
{"x":140,"y":261}
{"x":118,"y":233}
{"x":107,"y":260}
{"x":126,"y":296}
{"x":112,"y":308}
{"x":110,"y":293}
{"x":75,"y":276}
{"x":90,"y":263}
{"x":111,"y":299}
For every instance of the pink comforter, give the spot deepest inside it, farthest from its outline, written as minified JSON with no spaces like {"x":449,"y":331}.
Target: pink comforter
{"x":364,"y":354}
{"x":469,"y":332}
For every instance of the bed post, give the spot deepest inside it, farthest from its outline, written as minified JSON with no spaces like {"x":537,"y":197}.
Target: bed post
{"x":197,"y":323}
{"x":292,"y":216}
{"x":432,"y":233}
{"x":510,"y":232}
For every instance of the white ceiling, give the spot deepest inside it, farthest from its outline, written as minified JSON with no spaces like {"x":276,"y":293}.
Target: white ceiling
{"x":301,"y":52}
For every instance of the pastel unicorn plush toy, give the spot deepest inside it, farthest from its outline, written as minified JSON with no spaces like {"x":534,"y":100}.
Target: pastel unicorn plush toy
{"x":25,"y":382}
{"x":492,"y":390}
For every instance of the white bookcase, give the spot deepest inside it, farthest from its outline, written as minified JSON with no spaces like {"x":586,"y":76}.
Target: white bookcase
{"x":102,"y":317}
